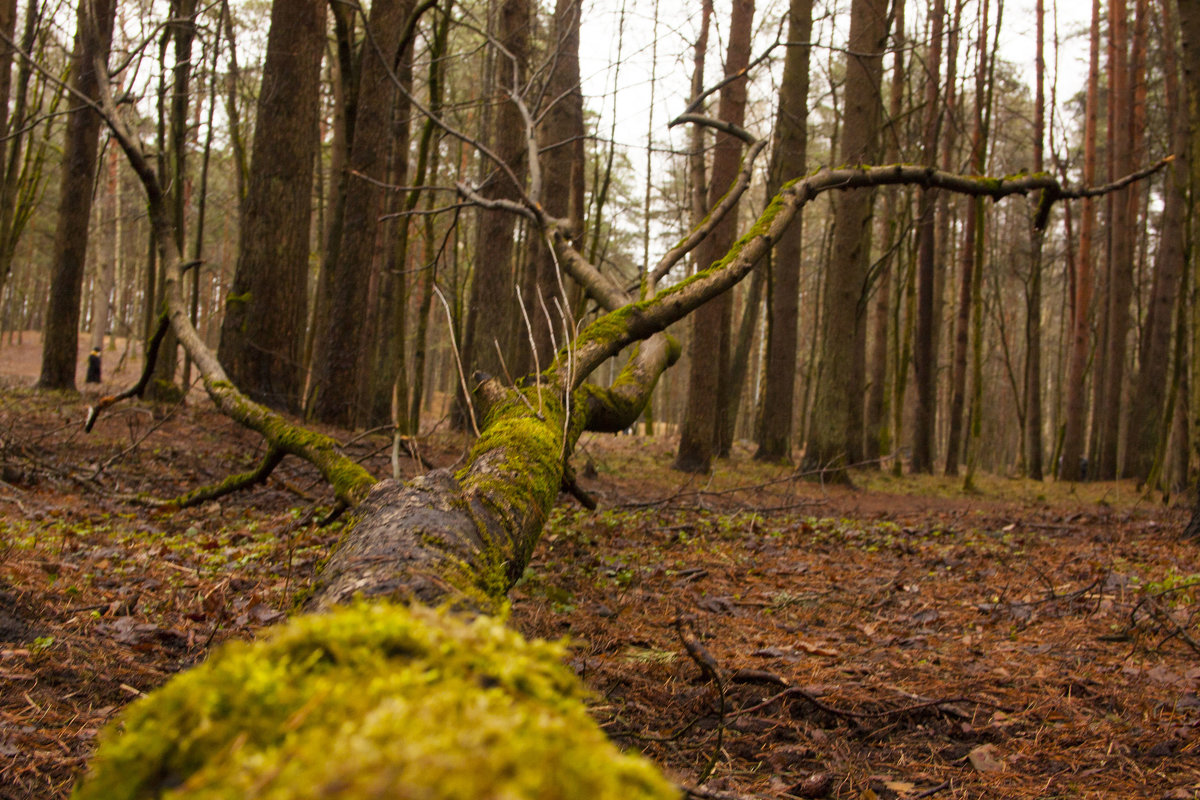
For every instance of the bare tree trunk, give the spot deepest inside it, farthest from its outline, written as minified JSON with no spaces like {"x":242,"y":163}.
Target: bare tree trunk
{"x":1076,"y":412}
{"x":700,"y":434}
{"x":493,"y":321}
{"x":341,"y":356}
{"x":1146,"y":424}
{"x":1033,"y":309}
{"x":560,"y":140}
{"x":1121,"y":231}
{"x":16,"y":206}
{"x":789,"y":159}
{"x":835,"y":437}
{"x":924,"y":353}
{"x":60,"y":343}
{"x":958,"y":379}
{"x":263,"y":329}
{"x":881,"y":433}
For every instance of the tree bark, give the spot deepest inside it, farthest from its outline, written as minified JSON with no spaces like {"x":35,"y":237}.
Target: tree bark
{"x":262,"y":335}
{"x":924,"y":352}
{"x":958,"y":379}
{"x":789,"y":158}
{"x":493,"y":320}
{"x":880,"y":432}
{"x":1033,"y":308}
{"x":700,"y":433}
{"x":1075,"y":432}
{"x":1145,"y":421}
{"x":1123,"y":234}
{"x":560,"y":141}
{"x":835,"y":437}
{"x":93,"y":37}
{"x":340,"y":360}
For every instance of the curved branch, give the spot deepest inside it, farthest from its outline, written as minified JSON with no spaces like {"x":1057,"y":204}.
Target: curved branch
{"x":701,"y":232}
{"x":234,"y":483}
{"x":137,"y":389}
{"x":608,"y":335}
{"x":736,"y":131}
{"x":617,"y":407}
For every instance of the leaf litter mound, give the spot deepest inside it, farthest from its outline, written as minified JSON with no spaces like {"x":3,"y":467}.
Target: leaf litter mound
{"x":756,"y":634}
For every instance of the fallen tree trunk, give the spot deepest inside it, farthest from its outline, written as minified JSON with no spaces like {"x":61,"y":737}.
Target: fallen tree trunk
{"x":392,"y":700}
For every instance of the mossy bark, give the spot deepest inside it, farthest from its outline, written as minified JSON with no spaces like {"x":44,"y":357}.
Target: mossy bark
{"x":367,"y":702}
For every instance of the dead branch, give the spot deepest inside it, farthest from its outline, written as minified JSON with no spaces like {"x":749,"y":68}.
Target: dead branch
{"x":638,"y":321}
{"x":139,"y":388}
{"x":234,"y":483}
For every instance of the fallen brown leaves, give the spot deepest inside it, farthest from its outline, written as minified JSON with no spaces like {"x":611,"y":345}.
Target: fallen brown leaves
{"x":874,"y":643}
{"x":881,"y":644}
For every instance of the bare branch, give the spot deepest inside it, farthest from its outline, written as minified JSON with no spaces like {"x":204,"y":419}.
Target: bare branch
{"x":698,"y":101}
{"x":717,"y":124}
{"x":606,"y":337}
{"x":701,"y":232}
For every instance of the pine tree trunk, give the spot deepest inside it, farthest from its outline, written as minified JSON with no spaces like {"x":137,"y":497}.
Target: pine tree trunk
{"x":60,"y":343}
{"x":262,"y":335}
{"x":341,"y":359}
{"x":1075,"y":430}
{"x":699,"y":435}
{"x":1146,"y":424}
{"x":494,"y":324}
{"x":789,"y":159}
{"x":924,"y":352}
{"x":835,"y":436}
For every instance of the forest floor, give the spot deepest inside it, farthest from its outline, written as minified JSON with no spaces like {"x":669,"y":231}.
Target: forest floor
{"x":752,"y":630}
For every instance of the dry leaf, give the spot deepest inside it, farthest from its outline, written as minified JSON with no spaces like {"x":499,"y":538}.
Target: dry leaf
{"x":815,"y":649}
{"x":986,"y":758}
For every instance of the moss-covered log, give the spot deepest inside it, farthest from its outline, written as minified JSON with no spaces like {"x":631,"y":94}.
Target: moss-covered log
{"x":392,"y":700}
{"x":371,"y":701}
{"x":389,"y":700}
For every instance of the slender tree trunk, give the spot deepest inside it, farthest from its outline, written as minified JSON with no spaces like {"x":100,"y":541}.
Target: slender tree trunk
{"x":385,"y":386}
{"x":561,"y":139}
{"x":880,"y":432}
{"x":924,"y":353}
{"x":1033,"y":310}
{"x":700,"y":432}
{"x":958,"y":378}
{"x":789,"y":159}
{"x":428,"y":161}
{"x":1121,"y":230}
{"x":16,"y":205}
{"x":835,"y":437}
{"x":60,"y":343}
{"x":493,"y":320}
{"x":1075,"y":431}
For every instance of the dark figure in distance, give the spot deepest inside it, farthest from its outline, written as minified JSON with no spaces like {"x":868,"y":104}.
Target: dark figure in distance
{"x":93,"y":367}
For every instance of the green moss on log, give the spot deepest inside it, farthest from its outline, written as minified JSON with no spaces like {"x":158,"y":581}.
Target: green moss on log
{"x":367,"y":702}
{"x":515,"y":470}
{"x":350,"y":480}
